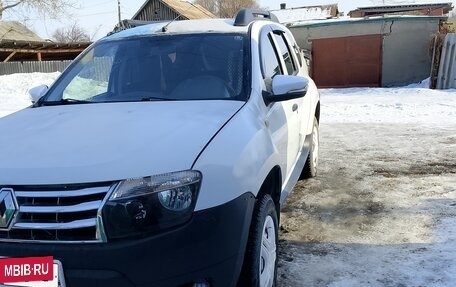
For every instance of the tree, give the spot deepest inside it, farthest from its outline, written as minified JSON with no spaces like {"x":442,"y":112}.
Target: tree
{"x":71,"y":34}
{"x":51,"y":8}
{"x":210,"y":5}
{"x":227,"y":8}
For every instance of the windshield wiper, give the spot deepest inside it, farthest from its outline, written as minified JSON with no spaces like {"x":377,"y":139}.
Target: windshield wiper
{"x":67,"y":101}
{"x":151,"y":99}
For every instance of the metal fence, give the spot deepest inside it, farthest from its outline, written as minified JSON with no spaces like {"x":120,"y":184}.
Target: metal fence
{"x":447,"y":71}
{"x":31,"y":67}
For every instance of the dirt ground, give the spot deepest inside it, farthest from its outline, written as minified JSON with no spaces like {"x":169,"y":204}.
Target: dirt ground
{"x":380,"y":213}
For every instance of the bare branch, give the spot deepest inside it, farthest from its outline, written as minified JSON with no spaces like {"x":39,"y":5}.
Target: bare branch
{"x":210,"y":5}
{"x":71,"y":34}
{"x":227,"y":8}
{"x":52,"y":8}
{"x":10,"y":5}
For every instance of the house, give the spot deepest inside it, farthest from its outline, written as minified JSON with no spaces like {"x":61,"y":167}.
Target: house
{"x":12,"y":30}
{"x":162,"y":10}
{"x":379,"y":46}
{"x":372,"y":51}
{"x":17,"y":43}
{"x":293,"y":15}
{"x":436,"y":9}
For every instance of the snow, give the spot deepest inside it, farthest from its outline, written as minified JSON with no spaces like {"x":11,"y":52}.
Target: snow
{"x":302,"y":14}
{"x":381,"y":211}
{"x":14,"y":88}
{"x":424,"y":84}
{"x":412,"y":105}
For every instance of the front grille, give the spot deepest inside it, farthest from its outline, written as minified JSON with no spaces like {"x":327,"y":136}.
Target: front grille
{"x":58,"y":213}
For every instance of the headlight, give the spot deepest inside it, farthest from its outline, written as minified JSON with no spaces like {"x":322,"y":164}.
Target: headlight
{"x":177,"y":199}
{"x":144,"y":205}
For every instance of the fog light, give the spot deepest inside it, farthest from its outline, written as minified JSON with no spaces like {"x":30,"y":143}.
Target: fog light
{"x":176,"y":199}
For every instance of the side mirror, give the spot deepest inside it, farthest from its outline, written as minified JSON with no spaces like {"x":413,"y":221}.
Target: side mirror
{"x":286,"y":88}
{"x":37,"y":93}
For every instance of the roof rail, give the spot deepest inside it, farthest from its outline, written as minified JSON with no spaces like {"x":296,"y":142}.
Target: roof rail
{"x":128,"y":24}
{"x":245,"y":16}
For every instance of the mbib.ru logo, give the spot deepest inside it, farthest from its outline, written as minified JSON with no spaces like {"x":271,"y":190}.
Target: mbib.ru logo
{"x":26,"y":269}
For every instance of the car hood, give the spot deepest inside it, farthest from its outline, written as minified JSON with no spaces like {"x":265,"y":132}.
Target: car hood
{"x":109,"y":141}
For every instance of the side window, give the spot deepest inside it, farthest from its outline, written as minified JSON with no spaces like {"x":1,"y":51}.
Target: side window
{"x":286,"y":54}
{"x":269,"y":60}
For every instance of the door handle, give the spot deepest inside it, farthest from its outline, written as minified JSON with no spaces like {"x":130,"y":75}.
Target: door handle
{"x":295,"y":107}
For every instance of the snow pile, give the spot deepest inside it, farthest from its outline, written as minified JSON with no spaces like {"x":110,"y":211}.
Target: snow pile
{"x":14,"y":88}
{"x":424,"y":84}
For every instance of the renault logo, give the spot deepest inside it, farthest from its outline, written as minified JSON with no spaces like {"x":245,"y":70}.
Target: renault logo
{"x":8,"y":207}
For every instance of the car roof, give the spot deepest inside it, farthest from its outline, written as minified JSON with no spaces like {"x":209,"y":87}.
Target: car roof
{"x":182,"y":27}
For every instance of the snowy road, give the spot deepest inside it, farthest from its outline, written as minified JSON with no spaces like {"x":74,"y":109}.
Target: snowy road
{"x":382,"y":210}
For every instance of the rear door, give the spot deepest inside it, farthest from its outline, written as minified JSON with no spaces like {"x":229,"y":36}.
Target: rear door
{"x":305,"y":109}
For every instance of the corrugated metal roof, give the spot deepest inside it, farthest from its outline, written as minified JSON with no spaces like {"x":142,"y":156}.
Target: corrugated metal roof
{"x":42,"y":45}
{"x":20,"y":50}
{"x":12,"y":30}
{"x":402,"y":8}
{"x":187,"y":9}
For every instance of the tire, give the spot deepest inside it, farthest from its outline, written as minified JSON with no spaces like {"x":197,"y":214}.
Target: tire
{"x":260,"y":262}
{"x":310,"y":168}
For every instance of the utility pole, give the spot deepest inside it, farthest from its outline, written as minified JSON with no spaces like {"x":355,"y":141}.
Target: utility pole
{"x":118,"y":10}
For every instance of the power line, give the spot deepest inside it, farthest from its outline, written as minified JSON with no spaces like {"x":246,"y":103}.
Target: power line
{"x":98,"y":4}
{"x":101,"y":13}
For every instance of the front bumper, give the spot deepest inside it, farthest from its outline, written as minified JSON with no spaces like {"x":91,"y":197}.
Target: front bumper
{"x":209,"y":248}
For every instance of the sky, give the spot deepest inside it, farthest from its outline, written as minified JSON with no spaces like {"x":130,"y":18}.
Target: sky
{"x":98,"y":17}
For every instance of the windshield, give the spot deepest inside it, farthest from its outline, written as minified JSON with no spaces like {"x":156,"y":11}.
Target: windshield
{"x":172,"y":67}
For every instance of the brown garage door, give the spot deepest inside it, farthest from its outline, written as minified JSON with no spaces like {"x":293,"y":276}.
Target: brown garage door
{"x":347,"y":62}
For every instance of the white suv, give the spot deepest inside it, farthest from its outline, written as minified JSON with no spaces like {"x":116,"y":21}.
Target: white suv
{"x":162,"y":156}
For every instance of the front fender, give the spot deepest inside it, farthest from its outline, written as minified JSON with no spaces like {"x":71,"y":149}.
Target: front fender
{"x":237,"y":160}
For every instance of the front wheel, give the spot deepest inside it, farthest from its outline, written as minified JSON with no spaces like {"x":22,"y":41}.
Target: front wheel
{"x":260,"y":264}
